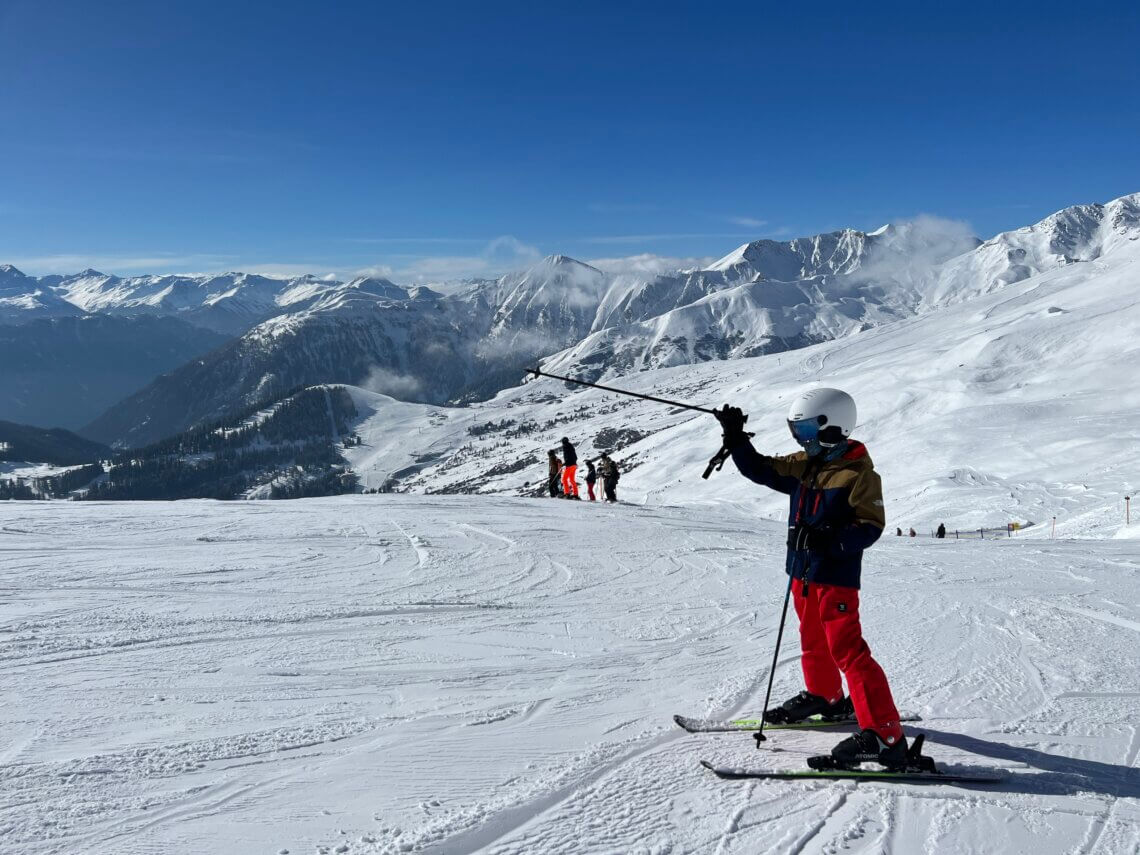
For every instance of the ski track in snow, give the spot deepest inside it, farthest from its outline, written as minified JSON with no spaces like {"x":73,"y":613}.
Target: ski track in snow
{"x":385,"y":674}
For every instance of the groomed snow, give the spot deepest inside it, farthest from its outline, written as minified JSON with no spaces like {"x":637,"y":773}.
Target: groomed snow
{"x":380,"y":674}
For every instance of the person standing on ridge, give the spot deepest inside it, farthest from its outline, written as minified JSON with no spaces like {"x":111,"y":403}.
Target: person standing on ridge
{"x":836,"y":504}
{"x":569,"y":470}
{"x":941,"y":533}
{"x":555,"y":471}
{"x":591,"y":479}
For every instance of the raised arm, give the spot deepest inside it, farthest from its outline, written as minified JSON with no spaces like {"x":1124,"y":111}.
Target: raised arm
{"x":779,"y":473}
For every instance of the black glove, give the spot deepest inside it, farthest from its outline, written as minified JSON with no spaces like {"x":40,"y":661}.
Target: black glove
{"x":818,"y":539}
{"x":732,"y":420}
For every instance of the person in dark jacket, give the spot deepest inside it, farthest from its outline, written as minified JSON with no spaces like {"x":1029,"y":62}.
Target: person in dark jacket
{"x":836,"y":512}
{"x":569,"y":470}
{"x":610,"y":476}
{"x":941,"y":533}
{"x":555,"y":472}
{"x":591,"y":479}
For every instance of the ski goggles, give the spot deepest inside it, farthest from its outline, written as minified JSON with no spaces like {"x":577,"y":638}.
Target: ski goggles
{"x":804,"y":430}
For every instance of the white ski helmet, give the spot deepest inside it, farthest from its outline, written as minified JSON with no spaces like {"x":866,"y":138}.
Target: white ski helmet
{"x":823,"y":415}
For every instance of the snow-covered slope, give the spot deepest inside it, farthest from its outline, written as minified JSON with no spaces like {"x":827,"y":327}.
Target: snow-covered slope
{"x":373,"y":675}
{"x":1016,"y":406}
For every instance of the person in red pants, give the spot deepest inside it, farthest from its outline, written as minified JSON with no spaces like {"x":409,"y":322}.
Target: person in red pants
{"x":569,"y":470}
{"x":836,"y":512}
{"x":591,"y":479}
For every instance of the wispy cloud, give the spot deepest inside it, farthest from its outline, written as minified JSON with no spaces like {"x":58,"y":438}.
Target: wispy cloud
{"x":649,"y":264}
{"x":750,"y":222}
{"x":497,"y":256}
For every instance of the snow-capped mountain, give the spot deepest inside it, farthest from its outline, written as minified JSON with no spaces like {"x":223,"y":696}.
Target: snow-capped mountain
{"x":229,"y":303}
{"x":1082,"y":233}
{"x":765,"y":297}
{"x":1013,"y":406}
{"x":417,"y":345}
{"x":24,"y":298}
{"x":470,"y":344}
{"x":420,"y":345}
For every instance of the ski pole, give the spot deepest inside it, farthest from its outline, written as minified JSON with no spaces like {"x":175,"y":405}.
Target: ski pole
{"x":759,"y":735}
{"x":538,"y":373}
{"x":717,"y":460}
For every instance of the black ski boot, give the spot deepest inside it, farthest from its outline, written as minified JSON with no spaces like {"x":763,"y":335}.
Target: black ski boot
{"x":863,"y":747}
{"x":805,"y":705}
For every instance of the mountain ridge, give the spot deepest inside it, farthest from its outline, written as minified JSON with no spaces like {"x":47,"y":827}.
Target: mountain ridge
{"x":470,"y":344}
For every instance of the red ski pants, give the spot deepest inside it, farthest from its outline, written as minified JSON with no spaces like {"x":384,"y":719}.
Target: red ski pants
{"x":832,"y":642}
{"x":590,"y":489}
{"x":569,"y":480}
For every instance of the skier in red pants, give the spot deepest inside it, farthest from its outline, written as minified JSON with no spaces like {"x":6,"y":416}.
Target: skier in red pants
{"x":836,"y":513}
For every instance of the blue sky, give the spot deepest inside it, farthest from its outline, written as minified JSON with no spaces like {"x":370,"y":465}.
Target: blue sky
{"x":431,"y":140}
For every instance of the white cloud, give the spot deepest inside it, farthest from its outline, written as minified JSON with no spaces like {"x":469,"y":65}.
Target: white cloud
{"x":388,"y":382}
{"x":498,"y":256}
{"x":750,"y":222}
{"x":375,"y":271}
{"x":649,"y":264}
{"x":909,"y":249}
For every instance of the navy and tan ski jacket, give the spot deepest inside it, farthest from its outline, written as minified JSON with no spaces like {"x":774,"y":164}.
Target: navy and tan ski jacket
{"x":843,"y":498}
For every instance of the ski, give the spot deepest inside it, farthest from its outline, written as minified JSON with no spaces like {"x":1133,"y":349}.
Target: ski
{"x":905,"y":777}
{"x":747,"y":725}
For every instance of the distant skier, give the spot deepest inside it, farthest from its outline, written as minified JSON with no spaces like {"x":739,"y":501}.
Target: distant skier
{"x":591,"y":479}
{"x":913,"y":533}
{"x":898,"y":532}
{"x":836,"y":512}
{"x":610,"y":476}
{"x":569,"y":470}
{"x":555,"y":472}
{"x":941,"y":533}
